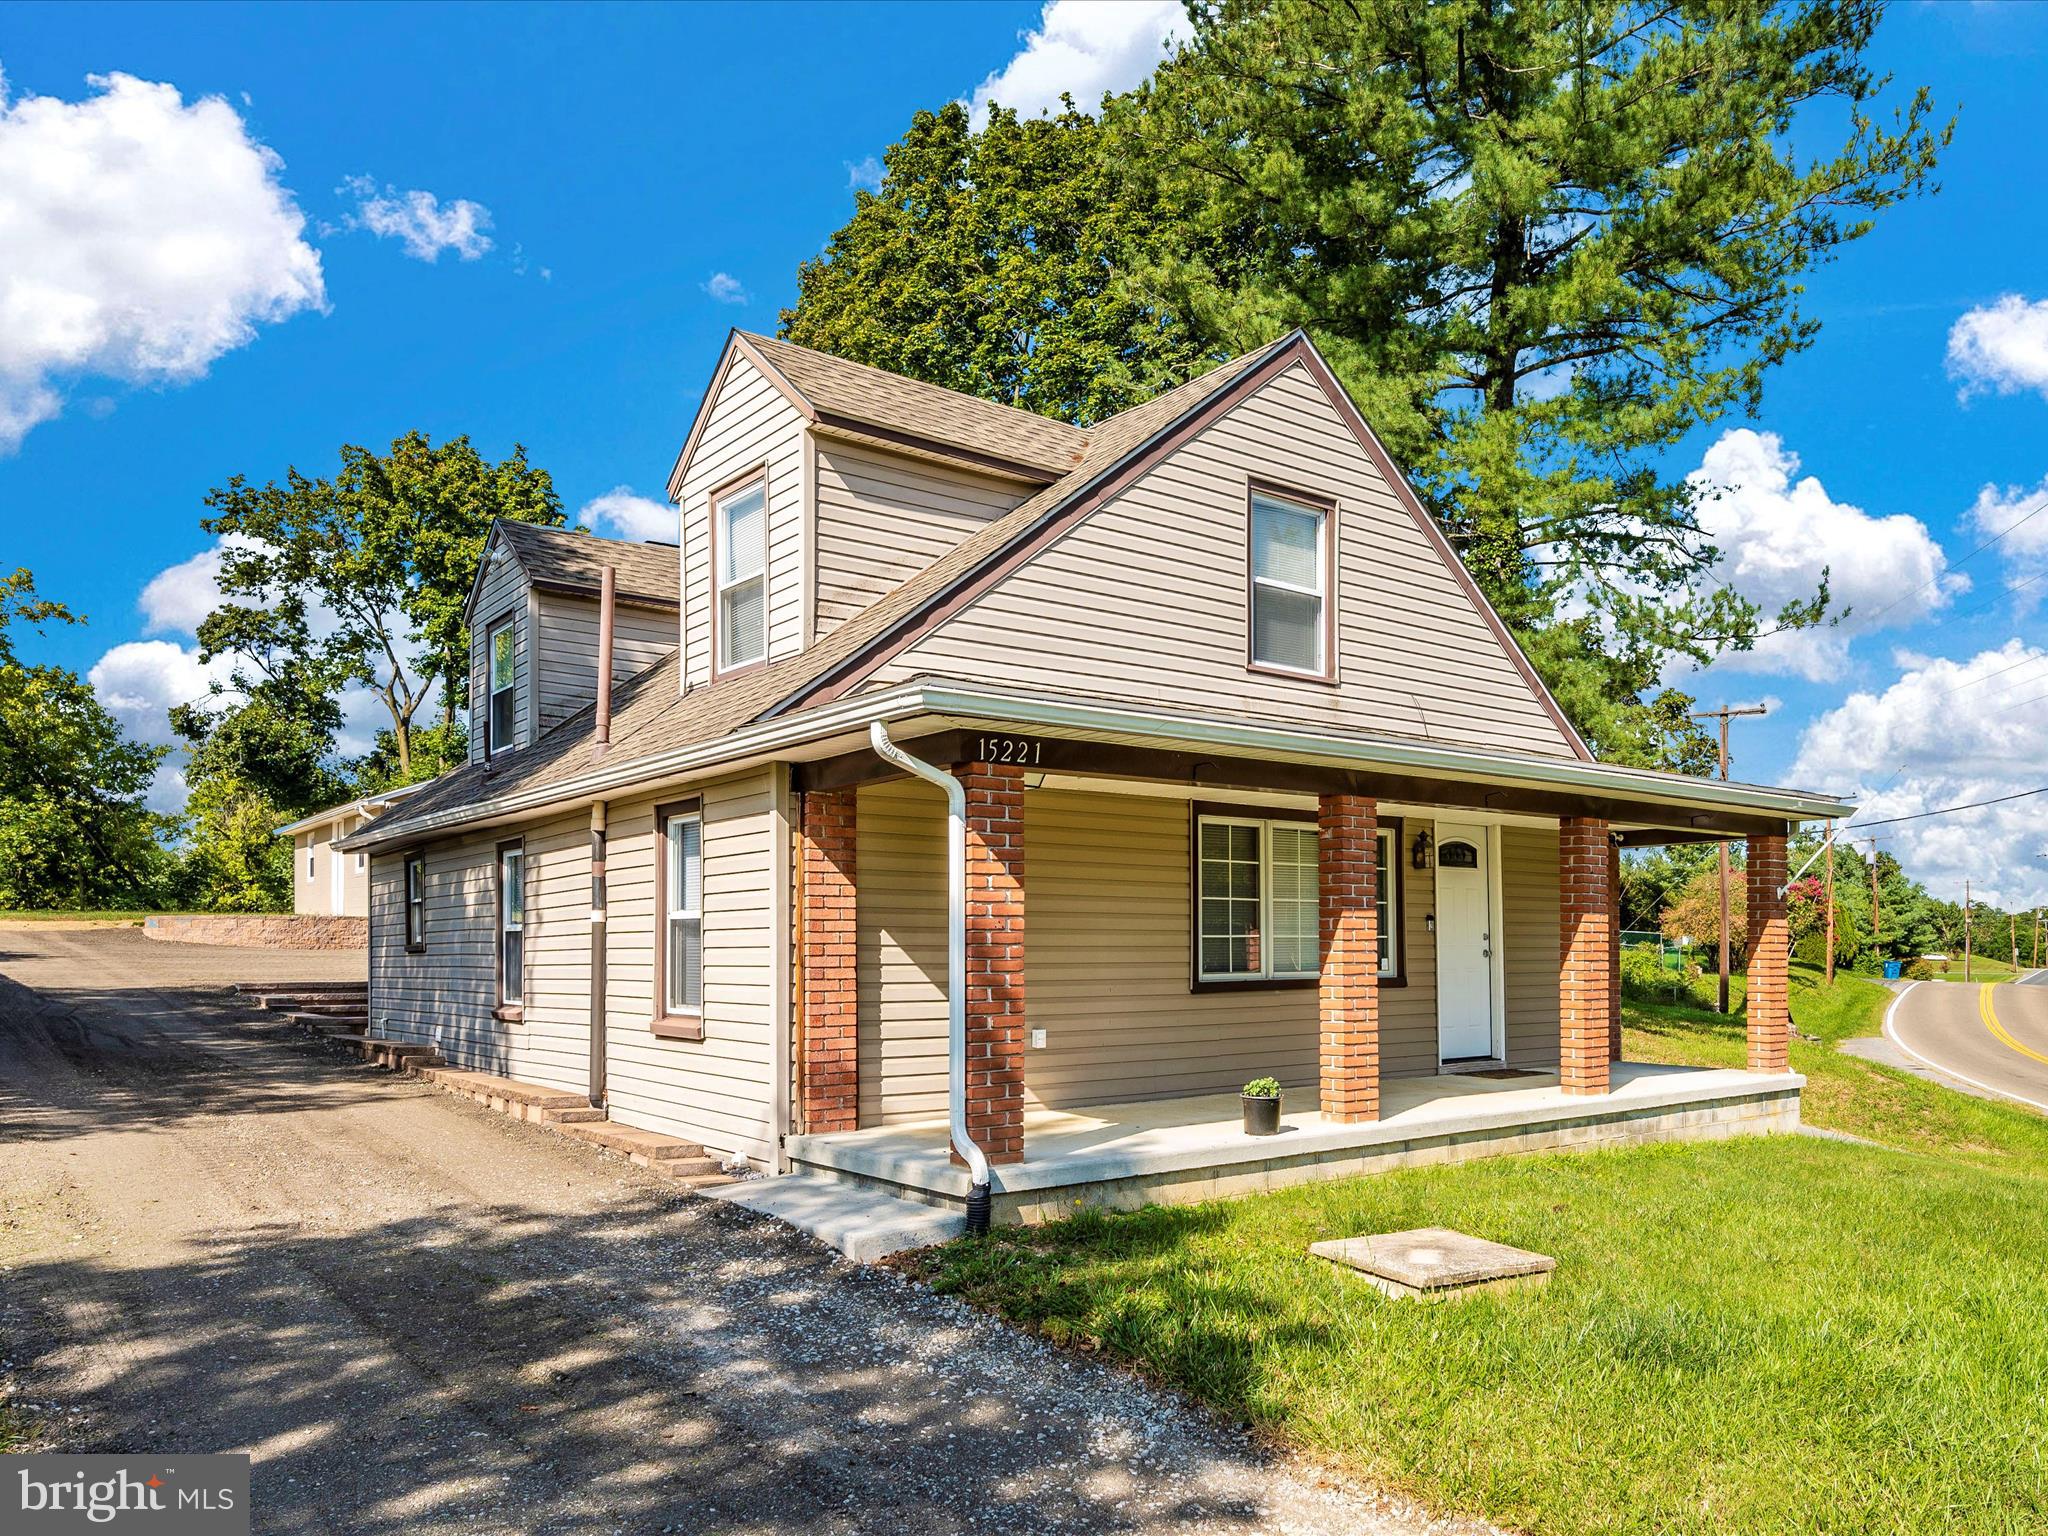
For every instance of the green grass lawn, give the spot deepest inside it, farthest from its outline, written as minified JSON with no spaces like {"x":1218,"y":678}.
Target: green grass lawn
{"x":1844,"y":1093}
{"x":1754,"y":1336}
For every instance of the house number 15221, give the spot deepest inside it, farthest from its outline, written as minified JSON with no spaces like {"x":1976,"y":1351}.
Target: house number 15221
{"x":1008,"y":749}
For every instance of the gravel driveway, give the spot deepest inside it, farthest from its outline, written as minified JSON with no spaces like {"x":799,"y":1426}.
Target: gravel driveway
{"x":418,"y":1316}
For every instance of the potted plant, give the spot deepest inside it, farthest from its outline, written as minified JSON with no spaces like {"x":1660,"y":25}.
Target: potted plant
{"x":1261,"y":1098}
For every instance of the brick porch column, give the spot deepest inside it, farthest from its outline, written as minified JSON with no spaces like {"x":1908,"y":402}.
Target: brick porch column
{"x":1613,"y":950}
{"x":826,"y":896}
{"x":1585,"y":975}
{"x":1770,"y":948}
{"x":995,"y":957}
{"x":1347,"y":855}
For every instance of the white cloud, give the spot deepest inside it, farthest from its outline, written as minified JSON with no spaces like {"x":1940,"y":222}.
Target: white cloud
{"x":865,"y":173}
{"x":1083,"y":49}
{"x":179,"y":596}
{"x":426,"y":225}
{"x":141,"y":680}
{"x":1946,"y":733}
{"x":1776,"y":534}
{"x":725,"y":288}
{"x":623,"y":511}
{"x":2020,"y":514}
{"x":363,"y":714}
{"x":2001,"y":347}
{"x":140,"y":239}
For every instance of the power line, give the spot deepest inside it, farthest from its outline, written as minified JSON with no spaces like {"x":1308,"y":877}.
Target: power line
{"x":2025,"y":661}
{"x":1946,"y":810}
{"x":2038,"y":508}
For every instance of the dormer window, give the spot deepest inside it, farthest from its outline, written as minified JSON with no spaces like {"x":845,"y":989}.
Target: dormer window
{"x":502,"y":719}
{"x":1290,"y":575}
{"x":739,"y":530}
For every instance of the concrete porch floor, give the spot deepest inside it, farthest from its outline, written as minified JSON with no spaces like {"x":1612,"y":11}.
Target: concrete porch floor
{"x":1165,"y":1151}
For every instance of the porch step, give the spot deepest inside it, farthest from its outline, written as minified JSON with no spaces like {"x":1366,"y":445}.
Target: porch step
{"x":306,"y":988}
{"x":321,"y":1024}
{"x":650,"y":1149}
{"x":395,"y":1054}
{"x":863,"y":1223}
{"x":508,"y":1096}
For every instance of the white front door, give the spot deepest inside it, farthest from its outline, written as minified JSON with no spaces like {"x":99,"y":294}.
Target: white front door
{"x":1464,"y":944}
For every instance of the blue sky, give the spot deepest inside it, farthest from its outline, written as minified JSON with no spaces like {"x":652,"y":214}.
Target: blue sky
{"x":583,"y":177}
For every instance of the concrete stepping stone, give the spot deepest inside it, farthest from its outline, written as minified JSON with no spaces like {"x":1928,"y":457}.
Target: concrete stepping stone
{"x":1435,"y":1263}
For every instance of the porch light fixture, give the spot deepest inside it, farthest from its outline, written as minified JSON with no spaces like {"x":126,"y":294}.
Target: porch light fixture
{"x":1420,"y":857}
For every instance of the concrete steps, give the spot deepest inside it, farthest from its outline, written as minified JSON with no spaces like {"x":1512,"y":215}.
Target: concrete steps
{"x":340,"y":999}
{"x":861,"y":1222}
{"x":395,"y":1054}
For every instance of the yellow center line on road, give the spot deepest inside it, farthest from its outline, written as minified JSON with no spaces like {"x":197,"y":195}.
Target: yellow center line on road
{"x":1998,"y":1030}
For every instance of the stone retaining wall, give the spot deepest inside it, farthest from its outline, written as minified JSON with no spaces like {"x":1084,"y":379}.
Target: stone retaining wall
{"x":260,"y":930}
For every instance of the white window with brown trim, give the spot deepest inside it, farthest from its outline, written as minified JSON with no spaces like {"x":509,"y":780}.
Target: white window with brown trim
{"x":679,"y":905}
{"x":1256,"y":888}
{"x":415,"y":902}
{"x":511,"y":931}
{"x":1257,"y":899}
{"x":1291,"y":615}
{"x":739,"y":573}
{"x":501,"y":680}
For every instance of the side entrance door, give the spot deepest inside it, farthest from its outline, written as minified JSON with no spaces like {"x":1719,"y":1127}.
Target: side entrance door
{"x":1464,"y":943}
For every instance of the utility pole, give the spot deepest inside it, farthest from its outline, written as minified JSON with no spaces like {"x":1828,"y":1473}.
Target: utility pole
{"x":1966,"y":928}
{"x":1724,"y":714}
{"x":2012,"y":927}
{"x":1829,"y":845}
{"x":1873,"y":891}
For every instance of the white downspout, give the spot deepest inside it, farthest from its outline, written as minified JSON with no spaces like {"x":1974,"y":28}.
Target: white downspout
{"x":956,"y":964}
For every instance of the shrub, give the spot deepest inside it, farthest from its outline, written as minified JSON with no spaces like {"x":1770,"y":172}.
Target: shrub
{"x":1646,"y":978}
{"x":1262,"y":1088}
{"x":1918,"y":970}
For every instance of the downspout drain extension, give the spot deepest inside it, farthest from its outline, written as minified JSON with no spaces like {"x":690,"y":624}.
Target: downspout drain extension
{"x":956,"y":968}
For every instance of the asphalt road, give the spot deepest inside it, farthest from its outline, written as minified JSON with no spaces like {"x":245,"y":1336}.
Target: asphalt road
{"x":1993,"y":1037}
{"x":419,"y":1317}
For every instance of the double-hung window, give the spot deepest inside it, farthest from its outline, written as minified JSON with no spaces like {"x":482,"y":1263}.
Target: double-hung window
{"x":511,"y":924}
{"x":740,"y":530}
{"x":1290,"y":582}
{"x":1255,"y":899}
{"x":500,"y":660}
{"x":415,"y":901}
{"x":680,"y":964}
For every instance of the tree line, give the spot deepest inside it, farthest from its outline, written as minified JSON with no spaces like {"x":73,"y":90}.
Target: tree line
{"x":1881,"y":912}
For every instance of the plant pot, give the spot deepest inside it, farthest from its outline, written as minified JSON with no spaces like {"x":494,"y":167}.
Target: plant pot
{"x":1261,"y":1116}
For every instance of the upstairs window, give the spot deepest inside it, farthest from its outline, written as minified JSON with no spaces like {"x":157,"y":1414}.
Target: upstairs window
{"x":739,"y":520}
{"x":502,"y":720}
{"x":1290,"y":586}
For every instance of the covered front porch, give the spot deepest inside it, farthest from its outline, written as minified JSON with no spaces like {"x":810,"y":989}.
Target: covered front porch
{"x":1423,"y":950}
{"x":1173,"y":1151}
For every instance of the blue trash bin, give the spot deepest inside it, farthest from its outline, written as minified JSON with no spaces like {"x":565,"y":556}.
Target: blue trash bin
{"x":1892,"y":968}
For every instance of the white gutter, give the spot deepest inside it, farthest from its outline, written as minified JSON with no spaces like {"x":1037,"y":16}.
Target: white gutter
{"x":765,"y":739}
{"x":956,"y":964}
{"x":1370,"y":753}
{"x":367,"y":805}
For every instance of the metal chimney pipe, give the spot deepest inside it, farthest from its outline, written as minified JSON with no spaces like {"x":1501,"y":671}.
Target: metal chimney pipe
{"x":607,"y":606}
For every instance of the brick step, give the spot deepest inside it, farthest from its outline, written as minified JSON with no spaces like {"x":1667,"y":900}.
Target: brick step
{"x":336,"y":1029}
{"x":307,"y":988}
{"x":289,"y":1002}
{"x":396,"y":1054}
{"x":649,"y":1149}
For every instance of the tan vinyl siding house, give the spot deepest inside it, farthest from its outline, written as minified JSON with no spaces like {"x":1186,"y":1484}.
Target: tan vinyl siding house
{"x":1220,"y":700}
{"x":1146,"y":599}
